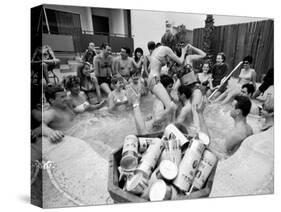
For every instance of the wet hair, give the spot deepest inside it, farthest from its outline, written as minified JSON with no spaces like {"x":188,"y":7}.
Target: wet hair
{"x":104,"y":45}
{"x":157,"y":45}
{"x":80,"y":70}
{"x":135,"y":54}
{"x":70,"y":81}
{"x":114,"y":80}
{"x":248,"y":58}
{"x":244,"y":104}
{"x":186,"y":90}
{"x":250,"y":88}
{"x":222,"y":56}
{"x":166,"y":80}
{"x":151,"y":45}
{"x":51,"y":91}
{"x":128,"y":50}
{"x":168,"y":39}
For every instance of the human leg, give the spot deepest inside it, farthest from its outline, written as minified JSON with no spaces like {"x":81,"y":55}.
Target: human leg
{"x":170,"y":107}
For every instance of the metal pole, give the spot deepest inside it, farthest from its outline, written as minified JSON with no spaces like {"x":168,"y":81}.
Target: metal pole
{"x":47,"y":23}
{"x":225,"y":80}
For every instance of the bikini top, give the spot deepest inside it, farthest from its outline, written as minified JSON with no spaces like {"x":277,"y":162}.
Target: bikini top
{"x":122,"y":100}
{"x":88,"y":86}
{"x":81,"y":108}
{"x":205,"y":82}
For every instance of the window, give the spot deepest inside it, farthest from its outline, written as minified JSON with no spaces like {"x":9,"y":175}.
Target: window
{"x":62,"y":22}
{"x":100,"y":24}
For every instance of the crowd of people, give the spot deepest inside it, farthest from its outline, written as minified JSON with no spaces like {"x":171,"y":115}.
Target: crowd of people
{"x":120,"y":83}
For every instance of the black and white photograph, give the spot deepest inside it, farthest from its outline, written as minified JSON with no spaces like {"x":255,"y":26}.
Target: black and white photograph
{"x":132,"y":106}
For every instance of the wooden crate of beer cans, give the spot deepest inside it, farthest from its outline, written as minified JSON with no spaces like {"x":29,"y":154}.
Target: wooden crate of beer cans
{"x":162,"y":166}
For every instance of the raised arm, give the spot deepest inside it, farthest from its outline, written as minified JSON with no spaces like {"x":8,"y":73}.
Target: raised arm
{"x":199,"y":54}
{"x":202,"y":123}
{"x":139,"y":121}
{"x":174,"y":57}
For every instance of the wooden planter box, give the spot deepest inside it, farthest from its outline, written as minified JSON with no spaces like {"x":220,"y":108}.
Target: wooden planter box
{"x":121,"y":196}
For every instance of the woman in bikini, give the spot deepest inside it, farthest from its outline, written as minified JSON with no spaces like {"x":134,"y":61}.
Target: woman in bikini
{"x":158,"y":59}
{"x":205,"y":79}
{"x":117,"y":99}
{"x":77,"y":99}
{"x":88,"y":83}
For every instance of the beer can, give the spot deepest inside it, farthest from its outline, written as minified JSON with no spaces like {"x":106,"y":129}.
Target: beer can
{"x":204,"y":138}
{"x":137,"y":184}
{"x":160,"y":191}
{"x":171,"y":152}
{"x":129,"y":160}
{"x":167,"y":170}
{"x":173,"y":133}
{"x":144,"y":143}
{"x":151,"y":157}
{"x":205,"y":167}
{"x":189,"y":165}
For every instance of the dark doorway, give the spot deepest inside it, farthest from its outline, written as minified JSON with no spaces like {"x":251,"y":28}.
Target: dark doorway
{"x":100,"y":25}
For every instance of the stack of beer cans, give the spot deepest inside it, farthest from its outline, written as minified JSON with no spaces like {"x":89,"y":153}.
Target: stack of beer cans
{"x":166,"y":168}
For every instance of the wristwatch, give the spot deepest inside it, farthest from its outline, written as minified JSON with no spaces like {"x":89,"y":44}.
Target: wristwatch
{"x":135,"y":105}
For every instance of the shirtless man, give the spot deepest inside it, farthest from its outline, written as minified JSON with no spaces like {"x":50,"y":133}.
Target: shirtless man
{"x":241,"y":107}
{"x":125,"y":65}
{"x":59,"y":116}
{"x":103,"y":68}
{"x":185,"y":113}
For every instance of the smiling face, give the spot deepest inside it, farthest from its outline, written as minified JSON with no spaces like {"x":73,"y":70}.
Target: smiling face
{"x":60,"y":100}
{"x":219,"y":59}
{"x":138,"y":54}
{"x":246,"y":64}
{"x":107,"y":51}
{"x":86,"y":70}
{"x":123,"y":54}
{"x":75,"y":89}
{"x":205,"y":68}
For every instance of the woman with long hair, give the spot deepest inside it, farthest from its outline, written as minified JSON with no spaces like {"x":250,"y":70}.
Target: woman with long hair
{"x":89,"y":83}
